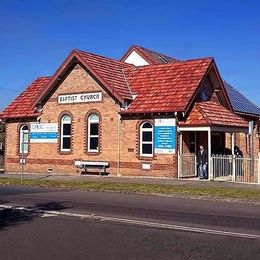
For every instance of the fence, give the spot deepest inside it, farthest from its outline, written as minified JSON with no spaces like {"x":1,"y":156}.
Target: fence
{"x":237,"y":169}
{"x":187,"y":165}
{"x":223,"y":168}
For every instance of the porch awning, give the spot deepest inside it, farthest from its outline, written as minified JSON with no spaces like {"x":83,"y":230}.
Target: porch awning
{"x":209,"y":113}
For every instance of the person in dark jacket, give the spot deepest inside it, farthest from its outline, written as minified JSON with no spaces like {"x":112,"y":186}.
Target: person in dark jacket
{"x":202,"y":161}
{"x":238,"y":161}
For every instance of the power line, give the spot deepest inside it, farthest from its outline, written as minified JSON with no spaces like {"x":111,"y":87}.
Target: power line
{"x":9,"y":89}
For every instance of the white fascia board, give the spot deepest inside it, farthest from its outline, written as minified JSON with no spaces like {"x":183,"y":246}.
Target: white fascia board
{"x":199,"y":128}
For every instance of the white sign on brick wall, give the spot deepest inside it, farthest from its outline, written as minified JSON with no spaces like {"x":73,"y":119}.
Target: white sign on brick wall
{"x":80,"y":98}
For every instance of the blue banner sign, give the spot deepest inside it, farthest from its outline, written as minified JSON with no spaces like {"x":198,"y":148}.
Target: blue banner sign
{"x":165,"y":135}
{"x":44,"y":133}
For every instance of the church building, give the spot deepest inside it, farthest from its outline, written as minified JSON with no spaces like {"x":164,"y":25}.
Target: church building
{"x":137,"y":116}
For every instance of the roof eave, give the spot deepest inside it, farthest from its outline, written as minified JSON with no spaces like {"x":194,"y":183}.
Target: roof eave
{"x":247,"y":114}
{"x":223,"y":86}
{"x":18,"y":117}
{"x":147,"y":113}
{"x":65,"y":65}
{"x":192,"y":99}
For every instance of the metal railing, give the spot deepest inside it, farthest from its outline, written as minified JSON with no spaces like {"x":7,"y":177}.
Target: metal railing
{"x":187,"y":165}
{"x":236,"y":169}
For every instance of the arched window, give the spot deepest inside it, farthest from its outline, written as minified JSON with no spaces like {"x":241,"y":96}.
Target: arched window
{"x":146,"y":139}
{"x":65,"y":133}
{"x":24,"y":139}
{"x":93,"y":133}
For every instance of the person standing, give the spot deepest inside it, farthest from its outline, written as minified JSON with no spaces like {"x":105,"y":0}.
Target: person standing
{"x":202,"y":160}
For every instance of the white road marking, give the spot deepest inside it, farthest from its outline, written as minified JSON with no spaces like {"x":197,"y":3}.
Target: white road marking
{"x":135,"y":222}
{"x":47,"y":215}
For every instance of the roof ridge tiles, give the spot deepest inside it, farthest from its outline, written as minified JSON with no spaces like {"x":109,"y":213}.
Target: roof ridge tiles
{"x":155,"y":52}
{"x":201,"y":58}
{"x":43,"y":77}
{"x":200,"y":109}
{"x":103,"y":57}
{"x":171,"y":64}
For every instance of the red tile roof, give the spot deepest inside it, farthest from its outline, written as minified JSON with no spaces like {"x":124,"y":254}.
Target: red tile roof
{"x":110,"y":70}
{"x":166,"y":88}
{"x":22,"y":106}
{"x":158,"y":88}
{"x":150,"y":56}
{"x":210,"y":113}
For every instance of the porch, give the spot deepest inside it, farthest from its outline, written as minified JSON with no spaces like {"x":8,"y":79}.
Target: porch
{"x":223,"y":164}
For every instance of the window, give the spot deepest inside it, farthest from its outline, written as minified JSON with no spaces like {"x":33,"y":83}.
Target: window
{"x":93,"y":133}
{"x":146,"y":139}
{"x":65,"y":133}
{"x":24,"y":139}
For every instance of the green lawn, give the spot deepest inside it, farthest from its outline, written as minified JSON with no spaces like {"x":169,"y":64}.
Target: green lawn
{"x":161,"y":189}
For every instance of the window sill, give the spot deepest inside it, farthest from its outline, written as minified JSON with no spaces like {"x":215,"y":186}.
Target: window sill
{"x":65,"y":152}
{"x":145,"y":158}
{"x":92,"y":153}
{"x":24,"y":154}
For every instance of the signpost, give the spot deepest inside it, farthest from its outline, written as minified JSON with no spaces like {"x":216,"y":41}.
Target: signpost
{"x":22,"y":166}
{"x":165,"y":135}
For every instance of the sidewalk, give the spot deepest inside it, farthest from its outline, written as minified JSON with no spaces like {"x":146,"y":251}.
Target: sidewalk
{"x":139,"y":180}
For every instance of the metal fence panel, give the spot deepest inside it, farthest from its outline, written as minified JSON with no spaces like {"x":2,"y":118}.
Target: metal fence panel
{"x":188,"y":165}
{"x":237,"y":169}
{"x":222,"y":168}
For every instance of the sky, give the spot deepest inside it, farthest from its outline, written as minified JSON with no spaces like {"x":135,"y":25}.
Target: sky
{"x":36,"y":36}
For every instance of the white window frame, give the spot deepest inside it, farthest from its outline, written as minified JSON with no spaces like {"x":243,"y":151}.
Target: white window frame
{"x":21,"y":141}
{"x":142,"y":130}
{"x":62,"y":135}
{"x":90,"y":121}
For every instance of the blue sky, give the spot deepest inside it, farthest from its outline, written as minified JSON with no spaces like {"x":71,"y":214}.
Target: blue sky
{"x":36,"y":36}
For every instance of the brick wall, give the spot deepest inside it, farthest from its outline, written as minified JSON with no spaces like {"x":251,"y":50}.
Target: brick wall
{"x":43,"y":158}
{"x":161,"y":164}
{"x":243,"y":142}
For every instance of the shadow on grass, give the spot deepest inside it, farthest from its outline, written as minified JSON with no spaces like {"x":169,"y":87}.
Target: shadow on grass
{"x":10,"y":217}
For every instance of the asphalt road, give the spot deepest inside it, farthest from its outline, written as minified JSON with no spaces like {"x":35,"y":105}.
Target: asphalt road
{"x":64,"y":224}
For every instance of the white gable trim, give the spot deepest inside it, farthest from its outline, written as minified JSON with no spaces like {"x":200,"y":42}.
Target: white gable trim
{"x":136,"y":59}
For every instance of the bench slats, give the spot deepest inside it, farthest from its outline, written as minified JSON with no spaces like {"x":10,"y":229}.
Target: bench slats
{"x":92,"y":164}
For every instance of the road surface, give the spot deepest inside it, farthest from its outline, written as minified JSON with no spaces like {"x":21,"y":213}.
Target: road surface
{"x":37,"y":223}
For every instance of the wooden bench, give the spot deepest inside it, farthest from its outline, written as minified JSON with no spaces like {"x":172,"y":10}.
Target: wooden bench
{"x":101,"y":166}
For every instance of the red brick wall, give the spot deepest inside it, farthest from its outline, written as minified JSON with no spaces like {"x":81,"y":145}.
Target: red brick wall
{"x":243,"y":142}
{"x":43,"y":157}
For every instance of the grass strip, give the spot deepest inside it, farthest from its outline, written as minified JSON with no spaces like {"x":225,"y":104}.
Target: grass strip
{"x":159,"y":189}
